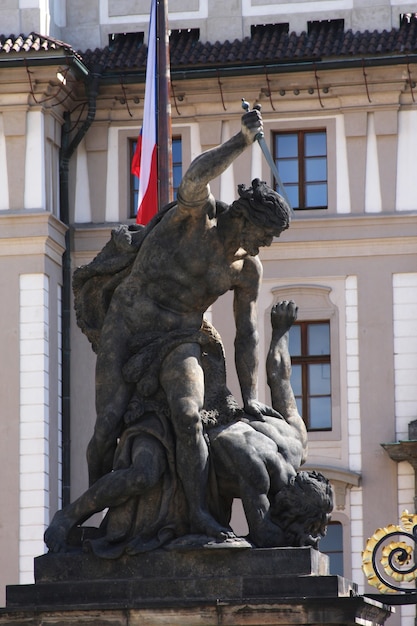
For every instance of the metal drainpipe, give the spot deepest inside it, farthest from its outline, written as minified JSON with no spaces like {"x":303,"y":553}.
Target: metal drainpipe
{"x":67,"y":150}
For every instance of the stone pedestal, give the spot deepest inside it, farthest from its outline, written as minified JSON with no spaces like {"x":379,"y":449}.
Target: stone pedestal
{"x":203,"y":587}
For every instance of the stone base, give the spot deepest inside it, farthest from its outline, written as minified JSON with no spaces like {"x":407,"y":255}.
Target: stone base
{"x":312,"y":611}
{"x":197,"y":587}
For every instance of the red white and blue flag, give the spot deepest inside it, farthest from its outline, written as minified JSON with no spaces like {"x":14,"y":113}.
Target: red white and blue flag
{"x":145,"y":159}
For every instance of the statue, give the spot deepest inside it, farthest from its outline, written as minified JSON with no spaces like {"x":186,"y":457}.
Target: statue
{"x":252,"y":459}
{"x":170,"y":448}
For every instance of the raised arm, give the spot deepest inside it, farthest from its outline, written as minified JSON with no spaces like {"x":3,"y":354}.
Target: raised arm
{"x":194,"y":189}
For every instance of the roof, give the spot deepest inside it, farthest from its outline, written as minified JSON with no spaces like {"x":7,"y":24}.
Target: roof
{"x":36,"y":49}
{"x":269,"y":44}
{"x":31,"y":43}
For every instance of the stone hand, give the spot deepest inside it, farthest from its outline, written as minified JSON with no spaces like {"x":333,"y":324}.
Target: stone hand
{"x":251,"y":125}
{"x":258,"y":409}
{"x":122,"y":238}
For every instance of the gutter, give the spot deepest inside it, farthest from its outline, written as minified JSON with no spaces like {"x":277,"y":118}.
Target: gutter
{"x":228,"y":71}
{"x":29,"y":60}
{"x":68,"y":148}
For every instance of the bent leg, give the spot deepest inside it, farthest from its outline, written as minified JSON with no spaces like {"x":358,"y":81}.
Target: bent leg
{"x":111,"y":490}
{"x":182,"y":379}
{"x":112,"y":399}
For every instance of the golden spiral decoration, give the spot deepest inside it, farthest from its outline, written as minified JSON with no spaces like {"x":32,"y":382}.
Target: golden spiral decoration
{"x":398,"y":553}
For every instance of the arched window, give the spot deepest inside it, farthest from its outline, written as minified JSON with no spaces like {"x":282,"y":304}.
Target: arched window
{"x":314,"y":349}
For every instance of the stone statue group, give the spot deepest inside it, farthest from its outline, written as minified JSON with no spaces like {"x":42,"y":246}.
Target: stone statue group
{"x":172,"y":447}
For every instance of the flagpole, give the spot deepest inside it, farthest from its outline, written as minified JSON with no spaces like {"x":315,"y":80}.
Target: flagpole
{"x":164,"y":105}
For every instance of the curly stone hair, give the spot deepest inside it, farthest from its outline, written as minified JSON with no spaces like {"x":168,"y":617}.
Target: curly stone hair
{"x":302,"y":509}
{"x":262,"y":206}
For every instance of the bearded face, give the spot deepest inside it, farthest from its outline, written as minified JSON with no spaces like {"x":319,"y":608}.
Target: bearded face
{"x":254,"y":237}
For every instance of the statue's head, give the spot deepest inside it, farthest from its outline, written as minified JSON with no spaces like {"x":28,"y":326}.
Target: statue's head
{"x":302,"y":509}
{"x":262,"y":206}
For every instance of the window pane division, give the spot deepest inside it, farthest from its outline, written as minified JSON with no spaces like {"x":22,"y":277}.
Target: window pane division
{"x":311,"y":381}
{"x":301,"y":159}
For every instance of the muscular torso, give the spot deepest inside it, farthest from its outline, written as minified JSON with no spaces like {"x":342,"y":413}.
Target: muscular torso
{"x":180,"y":270}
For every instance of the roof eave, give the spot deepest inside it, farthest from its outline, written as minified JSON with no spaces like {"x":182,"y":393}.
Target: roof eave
{"x":41,"y":60}
{"x":289,"y":66}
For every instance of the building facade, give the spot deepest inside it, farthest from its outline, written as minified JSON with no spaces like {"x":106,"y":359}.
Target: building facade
{"x":337,"y":83}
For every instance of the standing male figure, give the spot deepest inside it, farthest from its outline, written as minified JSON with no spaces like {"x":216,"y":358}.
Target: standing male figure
{"x":190,"y":257}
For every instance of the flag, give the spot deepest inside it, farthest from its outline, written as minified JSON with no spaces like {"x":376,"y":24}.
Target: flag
{"x":145,"y":160}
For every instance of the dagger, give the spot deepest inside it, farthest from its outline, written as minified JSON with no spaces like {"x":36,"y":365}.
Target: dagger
{"x":260,"y":138}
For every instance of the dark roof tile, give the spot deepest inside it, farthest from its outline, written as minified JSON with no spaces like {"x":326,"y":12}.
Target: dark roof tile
{"x":269,"y":44}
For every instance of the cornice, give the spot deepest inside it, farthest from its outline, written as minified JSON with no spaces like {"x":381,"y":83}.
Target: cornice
{"x":332,"y":237}
{"x":27,"y":233}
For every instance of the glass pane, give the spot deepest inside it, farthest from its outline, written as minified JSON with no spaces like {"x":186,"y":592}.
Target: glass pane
{"x":316,"y":169}
{"x":319,"y":379}
{"x":333,"y":540}
{"x":288,"y":170}
{"x":176,"y":151}
{"x":299,"y":402}
{"x":316,"y":195}
{"x":176,"y":164}
{"x":320,"y":413}
{"x":286,"y":145}
{"x":332,"y":544}
{"x":335,"y":563}
{"x":295,"y":340}
{"x":315,"y":144}
{"x":318,"y":339}
{"x":176,"y":175}
{"x":296,"y":380}
{"x":292,"y":193}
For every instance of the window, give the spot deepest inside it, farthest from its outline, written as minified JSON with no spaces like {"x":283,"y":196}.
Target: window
{"x":309,"y":346}
{"x":332,"y":545}
{"x":130,"y":40}
{"x":184,"y":37}
{"x":326,"y":26}
{"x":407,"y":18}
{"x":301,"y":159}
{"x":261,"y":30}
{"x":316,"y":305}
{"x":176,"y":172}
